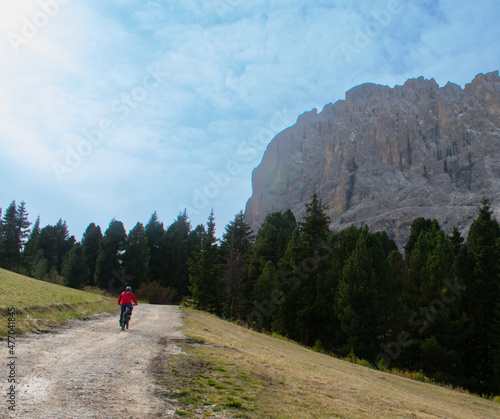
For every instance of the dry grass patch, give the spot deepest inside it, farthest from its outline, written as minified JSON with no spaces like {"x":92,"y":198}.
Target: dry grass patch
{"x":271,"y":377}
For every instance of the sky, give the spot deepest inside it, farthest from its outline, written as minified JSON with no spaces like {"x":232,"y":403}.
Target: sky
{"x":114,"y":109}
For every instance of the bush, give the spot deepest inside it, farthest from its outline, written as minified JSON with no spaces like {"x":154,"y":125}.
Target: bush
{"x":382,"y":364}
{"x":154,"y":293}
{"x":318,"y":347}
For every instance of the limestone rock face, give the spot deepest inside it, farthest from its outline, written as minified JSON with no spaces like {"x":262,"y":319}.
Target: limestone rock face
{"x":385,"y":156}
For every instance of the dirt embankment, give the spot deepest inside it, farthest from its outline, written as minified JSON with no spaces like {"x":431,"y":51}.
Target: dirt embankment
{"x":92,"y":369}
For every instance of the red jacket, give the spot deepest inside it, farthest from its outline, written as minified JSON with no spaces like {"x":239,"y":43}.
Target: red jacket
{"x":126,"y":297}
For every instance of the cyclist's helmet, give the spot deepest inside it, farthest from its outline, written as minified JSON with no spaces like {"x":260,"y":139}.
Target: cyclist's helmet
{"x":129,"y":288}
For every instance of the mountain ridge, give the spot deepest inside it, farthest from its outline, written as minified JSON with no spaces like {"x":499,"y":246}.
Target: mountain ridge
{"x":384,"y":156}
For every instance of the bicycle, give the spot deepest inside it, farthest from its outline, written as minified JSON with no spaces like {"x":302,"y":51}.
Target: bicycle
{"x":126,"y":318}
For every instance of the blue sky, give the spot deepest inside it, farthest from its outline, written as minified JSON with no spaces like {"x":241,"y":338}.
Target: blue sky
{"x":119,"y":108}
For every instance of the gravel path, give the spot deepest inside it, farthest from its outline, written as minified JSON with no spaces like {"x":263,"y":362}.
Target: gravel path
{"x":91,"y":369}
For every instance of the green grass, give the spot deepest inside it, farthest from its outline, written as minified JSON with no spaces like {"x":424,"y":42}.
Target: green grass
{"x":207,"y":383}
{"x":40,"y":304}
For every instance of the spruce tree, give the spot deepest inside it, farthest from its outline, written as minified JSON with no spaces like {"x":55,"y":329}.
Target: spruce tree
{"x":75,"y":269}
{"x":155,"y":233}
{"x":208,"y":288}
{"x":432,"y":296}
{"x":32,"y":247}
{"x":362,"y":297}
{"x":15,"y":231}
{"x":108,"y":273}
{"x":64,"y":243}
{"x":303,"y":265}
{"x":483,"y":294}
{"x":265,"y":298}
{"x":235,"y":247}
{"x":90,"y":246}
{"x":177,"y":251}
{"x":270,"y":245}
{"x":136,"y":257}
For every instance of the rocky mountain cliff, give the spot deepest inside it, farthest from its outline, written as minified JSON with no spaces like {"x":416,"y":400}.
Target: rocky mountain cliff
{"x":385,"y":156}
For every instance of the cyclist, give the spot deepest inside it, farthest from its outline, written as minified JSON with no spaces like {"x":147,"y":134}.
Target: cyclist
{"x":125,"y":300}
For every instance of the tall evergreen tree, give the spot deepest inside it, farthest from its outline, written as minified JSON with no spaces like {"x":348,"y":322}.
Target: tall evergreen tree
{"x":438,"y":329}
{"x":456,"y":240}
{"x":136,"y":256}
{"x":64,"y":243}
{"x":155,"y":233}
{"x":90,"y":247}
{"x":75,"y":269}
{"x":272,"y":239}
{"x":108,"y":273}
{"x":235,"y":247}
{"x":269,"y":248}
{"x":362,"y":297}
{"x":304,"y":263}
{"x":15,"y":231}
{"x":481,"y":298}
{"x":341,"y":248}
{"x":177,"y":251}
{"x":32,"y":247}
{"x":205,"y":273}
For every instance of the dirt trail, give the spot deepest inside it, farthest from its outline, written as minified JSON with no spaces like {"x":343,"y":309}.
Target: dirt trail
{"x":92,"y":369}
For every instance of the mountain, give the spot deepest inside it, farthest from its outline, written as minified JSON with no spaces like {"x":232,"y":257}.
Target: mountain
{"x":385,"y":156}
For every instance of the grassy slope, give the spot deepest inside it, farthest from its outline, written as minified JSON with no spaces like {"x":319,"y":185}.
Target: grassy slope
{"x":39,"y":304}
{"x":247,"y":374}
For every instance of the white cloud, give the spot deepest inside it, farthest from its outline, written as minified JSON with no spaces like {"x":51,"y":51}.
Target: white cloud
{"x":228,"y":67}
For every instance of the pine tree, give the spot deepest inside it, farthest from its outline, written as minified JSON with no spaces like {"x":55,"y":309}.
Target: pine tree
{"x":265,"y":298}
{"x":270,"y":246}
{"x":136,"y":257}
{"x":155,"y":233}
{"x":205,"y":273}
{"x":483,"y":294}
{"x":90,"y":246}
{"x":177,"y":251}
{"x":456,"y":240}
{"x":108,"y":273}
{"x":432,"y":296}
{"x":15,"y":230}
{"x":75,"y":270}
{"x":362,"y":297}
{"x":303,"y":265}
{"x":64,"y":243}
{"x":235,"y":247}
{"x":32,"y":247}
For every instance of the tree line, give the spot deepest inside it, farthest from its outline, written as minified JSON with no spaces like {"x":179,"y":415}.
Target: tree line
{"x":434,"y":307}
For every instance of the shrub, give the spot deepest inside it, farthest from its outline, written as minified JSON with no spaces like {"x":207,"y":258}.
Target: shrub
{"x":154,"y":293}
{"x":318,"y":347}
{"x":382,"y":364}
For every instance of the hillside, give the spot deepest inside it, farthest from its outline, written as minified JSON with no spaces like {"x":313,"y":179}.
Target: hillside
{"x":39,"y":304}
{"x":385,"y":156}
{"x":254,"y":375}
